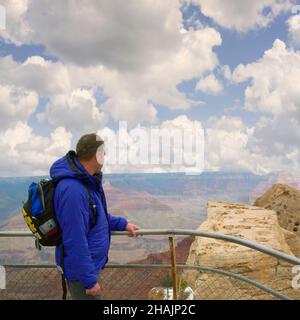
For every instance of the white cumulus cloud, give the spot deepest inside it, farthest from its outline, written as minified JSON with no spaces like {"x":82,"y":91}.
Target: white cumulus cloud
{"x":25,"y":153}
{"x":210,"y":85}
{"x":275,"y":85}
{"x":294,"y":30}
{"x":16,"y":104}
{"x":243,"y":15}
{"x":274,"y":90}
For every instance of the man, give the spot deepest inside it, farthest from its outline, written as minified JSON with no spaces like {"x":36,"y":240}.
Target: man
{"x":81,"y":210}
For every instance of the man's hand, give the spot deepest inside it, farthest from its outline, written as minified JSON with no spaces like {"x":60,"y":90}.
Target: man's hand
{"x":96,"y":290}
{"x":131,"y":228}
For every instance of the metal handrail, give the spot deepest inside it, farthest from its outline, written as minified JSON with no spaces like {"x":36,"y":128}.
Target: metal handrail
{"x":171,"y":232}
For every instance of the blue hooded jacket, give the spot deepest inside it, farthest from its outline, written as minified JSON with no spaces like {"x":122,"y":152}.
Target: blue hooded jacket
{"x":85,"y":248}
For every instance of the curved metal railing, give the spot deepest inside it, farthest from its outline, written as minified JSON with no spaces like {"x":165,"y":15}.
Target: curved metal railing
{"x":184,"y":232}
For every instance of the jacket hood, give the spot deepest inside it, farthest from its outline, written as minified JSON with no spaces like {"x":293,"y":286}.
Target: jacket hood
{"x":69,"y":167}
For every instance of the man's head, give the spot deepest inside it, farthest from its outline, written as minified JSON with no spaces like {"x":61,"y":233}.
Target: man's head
{"x":90,"y":152}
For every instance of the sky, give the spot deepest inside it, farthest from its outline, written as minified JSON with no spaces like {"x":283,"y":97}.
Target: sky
{"x":229,"y":67}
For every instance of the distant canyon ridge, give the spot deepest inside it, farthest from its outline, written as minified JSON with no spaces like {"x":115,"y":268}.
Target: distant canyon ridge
{"x":149,"y":200}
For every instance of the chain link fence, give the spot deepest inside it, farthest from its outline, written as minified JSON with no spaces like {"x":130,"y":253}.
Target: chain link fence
{"x":45,"y":283}
{"x":125,"y":284}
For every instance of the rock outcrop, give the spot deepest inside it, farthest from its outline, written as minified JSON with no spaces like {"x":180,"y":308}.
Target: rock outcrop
{"x":285,"y":201}
{"x":253,"y":223}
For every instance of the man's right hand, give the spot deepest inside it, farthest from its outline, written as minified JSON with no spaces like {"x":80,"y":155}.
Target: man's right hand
{"x":95,"y":290}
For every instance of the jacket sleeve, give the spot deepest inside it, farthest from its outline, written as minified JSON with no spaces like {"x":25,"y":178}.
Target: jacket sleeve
{"x":73,"y":218}
{"x":117,"y":223}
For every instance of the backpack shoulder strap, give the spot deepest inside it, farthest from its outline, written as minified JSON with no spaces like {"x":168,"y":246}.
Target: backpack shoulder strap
{"x":92,"y":207}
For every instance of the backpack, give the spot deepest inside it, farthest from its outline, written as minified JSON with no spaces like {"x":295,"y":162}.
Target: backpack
{"x":39,"y":214}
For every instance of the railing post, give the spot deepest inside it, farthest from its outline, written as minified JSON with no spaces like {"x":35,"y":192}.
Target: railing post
{"x":174,"y":269}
